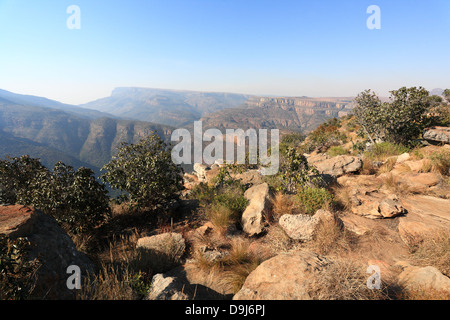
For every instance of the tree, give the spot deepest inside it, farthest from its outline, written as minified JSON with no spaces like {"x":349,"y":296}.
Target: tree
{"x":74,"y":198}
{"x":146,"y":172}
{"x":369,"y":114}
{"x":399,"y":121}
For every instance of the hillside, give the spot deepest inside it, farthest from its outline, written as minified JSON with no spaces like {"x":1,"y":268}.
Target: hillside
{"x":168,"y":107}
{"x":56,"y":135}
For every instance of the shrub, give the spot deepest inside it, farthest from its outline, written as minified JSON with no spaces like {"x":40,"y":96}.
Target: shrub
{"x":312,"y":199}
{"x":325,"y":136}
{"x":146,"y":173}
{"x":16,"y":273}
{"x":74,"y":198}
{"x":296,"y":172}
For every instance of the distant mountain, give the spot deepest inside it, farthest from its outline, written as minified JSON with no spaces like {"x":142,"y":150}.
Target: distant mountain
{"x":57,"y":135}
{"x":169,"y":107}
{"x":297,"y":114}
{"x":28,"y":100}
{"x":437,"y":92}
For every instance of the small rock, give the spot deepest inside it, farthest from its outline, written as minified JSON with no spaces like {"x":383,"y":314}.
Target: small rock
{"x":253,"y":216}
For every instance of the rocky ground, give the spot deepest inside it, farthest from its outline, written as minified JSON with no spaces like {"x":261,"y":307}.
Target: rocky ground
{"x":392,"y":218}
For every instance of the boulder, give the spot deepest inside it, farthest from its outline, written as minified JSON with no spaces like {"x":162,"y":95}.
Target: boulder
{"x":167,"y":288}
{"x":303,"y":227}
{"x":250,"y":177}
{"x":373,"y":204}
{"x":259,"y":202}
{"x":336,"y":166}
{"x":437,"y":134}
{"x":166,"y":249}
{"x":50,"y":245}
{"x":200,"y":171}
{"x":286,"y":276}
{"x":415,"y":278}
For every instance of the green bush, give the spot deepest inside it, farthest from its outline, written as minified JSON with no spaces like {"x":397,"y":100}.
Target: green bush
{"x":313,"y":199}
{"x":16,"y":273}
{"x":74,"y":198}
{"x":145,"y":172}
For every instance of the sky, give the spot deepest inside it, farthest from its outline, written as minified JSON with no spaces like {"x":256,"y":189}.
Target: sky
{"x":283,"y":48}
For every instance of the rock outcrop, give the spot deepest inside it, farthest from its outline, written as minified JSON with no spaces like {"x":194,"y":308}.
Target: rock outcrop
{"x":336,"y":166}
{"x":426,"y":278}
{"x":303,"y":227}
{"x":283,"y":277}
{"x":437,"y":134}
{"x":259,"y":202}
{"x":50,"y":245}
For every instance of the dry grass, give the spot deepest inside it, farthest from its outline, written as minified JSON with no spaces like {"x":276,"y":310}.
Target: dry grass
{"x":221,"y":217}
{"x":283,"y":204}
{"x":387,"y":166}
{"x":278,"y":241}
{"x":368,"y":167}
{"x":424,"y":294}
{"x":331,"y":238}
{"x":346,"y":279}
{"x":433,"y":251}
{"x":342,"y":197}
{"x":396,"y":186}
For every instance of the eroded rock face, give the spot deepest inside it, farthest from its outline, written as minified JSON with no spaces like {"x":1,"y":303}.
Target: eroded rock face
{"x":283,"y":277}
{"x":336,"y":166}
{"x":50,"y":244}
{"x":253,"y":216}
{"x":437,"y":134}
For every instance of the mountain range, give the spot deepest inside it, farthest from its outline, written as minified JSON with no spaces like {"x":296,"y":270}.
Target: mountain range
{"x":89,"y":134}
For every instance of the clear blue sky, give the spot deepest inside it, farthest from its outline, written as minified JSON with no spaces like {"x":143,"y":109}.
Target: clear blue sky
{"x":278,"y":47}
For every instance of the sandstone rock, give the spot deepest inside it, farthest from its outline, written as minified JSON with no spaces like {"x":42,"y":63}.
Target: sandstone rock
{"x":437,"y":134}
{"x":376,"y":205}
{"x":200,"y":171}
{"x":283,"y":277}
{"x":253,"y":216}
{"x":426,"y":216}
{"x":50,"y":244}
{"x":403,"y":157}
{"x":250,"y":177}
{"x":415,"y":278}
{"x":336,"y":166}
{"x":303,"y":227}
{"x":428,"y":179}
{"x":166,"y":288}
{"x":167,"y":248}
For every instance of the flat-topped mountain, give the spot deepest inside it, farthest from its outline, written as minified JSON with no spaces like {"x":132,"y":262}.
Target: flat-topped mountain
{"x":168,"y":107}
{"x":299,"y":114}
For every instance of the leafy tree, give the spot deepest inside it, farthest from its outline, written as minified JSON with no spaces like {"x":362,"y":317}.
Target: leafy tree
{"x":74,"y":198}
{"x":369,"y":114}
{"x":17,"y":177}
{"x":399,"y":121}
{"x":146,"y":172}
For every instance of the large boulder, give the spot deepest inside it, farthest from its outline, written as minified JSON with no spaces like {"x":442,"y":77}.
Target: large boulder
{"x":416,"y":278}
{"x":259,"y":202}
{"x":166,"y":248}
{"x":437,"y":134}
{"x":336,"y":166}
{"x":50,"y":245}
{"x":303,"y":227}
{"x":250,"y":177}
{"x":286,"y":276}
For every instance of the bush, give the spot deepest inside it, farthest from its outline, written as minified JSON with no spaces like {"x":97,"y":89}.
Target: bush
{"x":74,"y":198}
{"x":296,"y":172}
{"x":325,"y":136}
{"x":16,"y":273}
{"x":313,"y":199}
{"x":146,"y":173}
